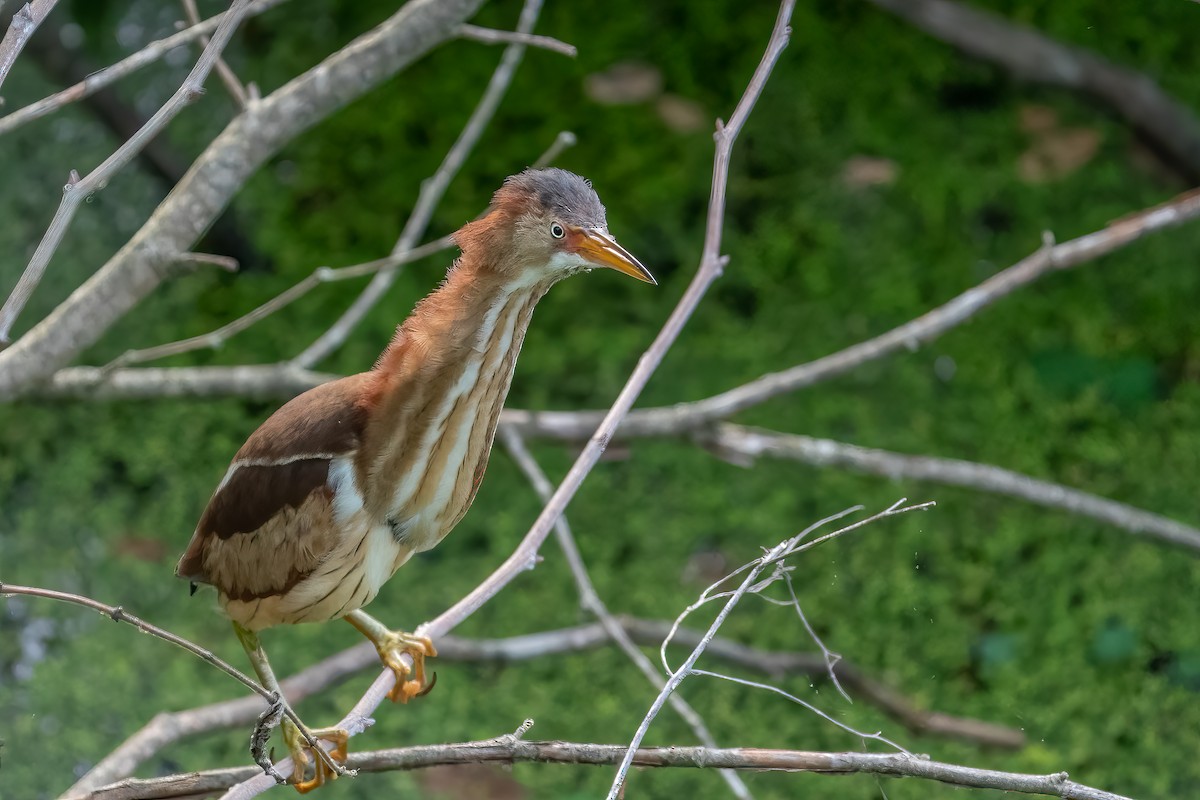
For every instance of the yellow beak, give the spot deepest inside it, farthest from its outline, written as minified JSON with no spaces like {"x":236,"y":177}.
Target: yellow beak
{"x":602,"y":249}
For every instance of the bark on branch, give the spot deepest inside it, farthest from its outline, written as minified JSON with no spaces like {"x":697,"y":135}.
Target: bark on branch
{"x":512,"y":750}
{"x":1031,"y":55}
{"x":248,"y":141}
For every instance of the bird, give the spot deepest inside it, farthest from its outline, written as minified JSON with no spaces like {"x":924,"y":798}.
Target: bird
{"x":343,"y":484}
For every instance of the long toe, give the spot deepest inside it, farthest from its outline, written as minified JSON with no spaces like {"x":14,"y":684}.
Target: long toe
{"x":410,"y":681}
{"x":327,"y":766}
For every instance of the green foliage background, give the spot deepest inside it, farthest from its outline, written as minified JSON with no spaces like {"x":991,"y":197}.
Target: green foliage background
{"x":1083,"y":636}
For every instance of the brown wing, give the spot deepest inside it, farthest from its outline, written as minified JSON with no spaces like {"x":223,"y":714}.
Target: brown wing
{"x":270,"y":522}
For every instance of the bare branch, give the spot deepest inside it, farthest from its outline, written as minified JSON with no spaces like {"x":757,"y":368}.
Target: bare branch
{"x":249,"y":380}
{"x":727,"y":440}
{"x":227,"y":76}
{"x":24,"y":23}
{"x":246,"y":143}
{"x":119,"y":614}
{"x":749,"y":583}
{"x":589,"y":598}
{"x":321,"y":275}
{"x":511,"y":750}
{"x":1031,"y":55}
{"x":126,"y":66}
{"x":431,"y":193}
{"x":493,"y":36}
{"x":684,"y":417}
{"x":169,"y":727}
{"x":75,"y":192}
{"x":564,"y":140}
{"x":751,"y":443}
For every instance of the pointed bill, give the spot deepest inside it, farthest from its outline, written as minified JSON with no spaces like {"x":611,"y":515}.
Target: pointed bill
{"x":600,"y":248}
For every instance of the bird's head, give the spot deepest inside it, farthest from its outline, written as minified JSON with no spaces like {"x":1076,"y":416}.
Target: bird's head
{"x":547,"y":223}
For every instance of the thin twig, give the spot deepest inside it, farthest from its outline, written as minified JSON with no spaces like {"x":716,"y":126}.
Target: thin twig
{"x":223,"y":262}
{"x":511,"y":750}
{"x":525,"y":554}
{"x":20,"y":29}
{"x":590,"y":600}
{"x":430,"y":194}
{"x":749,"y":583}
{"x":169,"y":727}
{"x":232,"y":84}
{"x":685,"y":417}
{"x":74,"y":193}
{"x":492,"y":36}
{"x":216,"y":175}
{"x":1029,"y":54}
{"x":750,"y":443}
{"x":321,"y":275}
{"x":732,"y":442}
{"x":563,"y":141}
{"x":119,"y":614}
{"x":126,"y":66}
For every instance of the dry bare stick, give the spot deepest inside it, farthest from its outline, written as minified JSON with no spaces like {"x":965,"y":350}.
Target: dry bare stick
{"x":432,"y":190}
{"x":23,"y":24}
{"x":492,"y":36}
{"x":681,"y":418}
{"x":747,"y":444}
{"x":1031,"y":55}
{"x":590,"y":600}
{"x":321,"y":275}
{"x":126,"y":66}
{"x":232,"y":85}
{"x":525,"y":555}
{"x":777,"y":665}
{"x":749,"y":584}
{"x":119,"y":614}
{"x":226,"y":164}
{"x":169,"y":727}
{"x":511,"y":750}
{"x":75,"y":192}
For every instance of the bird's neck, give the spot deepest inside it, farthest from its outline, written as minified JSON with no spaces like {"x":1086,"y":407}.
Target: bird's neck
{"x":440,"y":387}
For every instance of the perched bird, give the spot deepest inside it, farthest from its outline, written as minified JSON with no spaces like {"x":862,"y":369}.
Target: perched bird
{"x":340,"y":486}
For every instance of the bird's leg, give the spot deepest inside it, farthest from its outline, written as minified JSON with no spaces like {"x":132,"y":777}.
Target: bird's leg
{"x":410,"y":682}
{"x":301,"y":740}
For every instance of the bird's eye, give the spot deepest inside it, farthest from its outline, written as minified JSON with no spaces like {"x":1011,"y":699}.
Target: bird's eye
{"x":556,"y":230}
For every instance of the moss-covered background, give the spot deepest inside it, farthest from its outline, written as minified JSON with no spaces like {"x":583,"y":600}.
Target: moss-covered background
{"x":1083,"y":636}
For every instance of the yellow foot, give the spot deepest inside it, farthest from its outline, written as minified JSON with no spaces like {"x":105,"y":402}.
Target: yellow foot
{"x":410,"y":681}
{"x":303,"y":755}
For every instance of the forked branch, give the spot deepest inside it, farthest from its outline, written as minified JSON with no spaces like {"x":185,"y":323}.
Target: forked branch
{"x":27,"y":19}
{"x":511,"y":749}
{"x":75,"y":192}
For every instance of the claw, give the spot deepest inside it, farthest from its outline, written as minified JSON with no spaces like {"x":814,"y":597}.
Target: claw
{"x":396,"y":644}
{"x":302,"y":755}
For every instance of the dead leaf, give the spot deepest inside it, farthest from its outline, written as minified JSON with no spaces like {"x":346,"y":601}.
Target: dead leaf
{"x":680,"y":114}
{"x":1056,"y":154}
{"x":862,"y":171}
{"x":624,"y":83}
{"x":1037,"y":119}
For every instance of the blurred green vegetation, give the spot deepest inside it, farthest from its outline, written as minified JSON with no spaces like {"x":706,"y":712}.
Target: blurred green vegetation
{"x":1081,"y":635}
